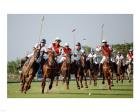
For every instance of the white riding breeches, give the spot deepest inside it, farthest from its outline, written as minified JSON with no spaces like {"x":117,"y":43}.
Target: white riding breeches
{"x":62,"y":59}
{"x":103,"y":59}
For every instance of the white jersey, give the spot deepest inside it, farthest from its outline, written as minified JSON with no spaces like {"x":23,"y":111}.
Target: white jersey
{"x":37,"y":46}
{"x":95,"y":57}
{"x":118,"y":58}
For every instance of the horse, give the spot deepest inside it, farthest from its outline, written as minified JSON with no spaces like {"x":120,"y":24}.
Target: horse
{"x":120,"y":71}
{"x":65,"y":70}
{"x":107,"y":73}
{"x":129,"y":71}
{"x":28,"y":72}
{"x":113,"y":68}
{"x":93,"y":71}
{"x":48,"y":70}
{"x":81,"y":71}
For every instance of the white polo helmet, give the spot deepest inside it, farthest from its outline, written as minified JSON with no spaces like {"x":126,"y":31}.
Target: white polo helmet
{"x":104,"y":41}
{"x":66,"y":44}
{"x":57,"y":39}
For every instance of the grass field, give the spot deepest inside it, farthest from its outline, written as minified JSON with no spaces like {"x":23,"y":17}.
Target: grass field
{"x":119,"y":90}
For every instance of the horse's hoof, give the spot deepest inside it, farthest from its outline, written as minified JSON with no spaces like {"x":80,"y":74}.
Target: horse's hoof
{"x":42,"y":92}
{"x":103,"y":82}
{"x":86,"y":86}
{"x":112,"y":85}
{"x":78,"y":87}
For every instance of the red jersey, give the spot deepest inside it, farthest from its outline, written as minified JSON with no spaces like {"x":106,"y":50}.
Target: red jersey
{"x":56,"y":48}
{"x":106,"y":51}
{"x":66,"y":51}
{"x":130,"y":56}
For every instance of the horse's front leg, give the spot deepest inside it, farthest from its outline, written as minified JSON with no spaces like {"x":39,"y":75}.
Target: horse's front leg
{"x":28,"y":84}
{"x":23,"y":81}
{"x":90,"y":76}
{"x":109,"y":82}
{"x":57,"y":77}
{"x":67,"y":79}
{"x":51,"y":83}
{"x":108,"y":78}
{"x":77,"y":78}
{"x":103,"y":81}
{"x":43,"y":84}
{"x":85,"y":74}
{"x":129,"y":77}
{"x":81,"y":78}
{"x":95,"y":79}
{"x":112,"y":79}
{"x":122,"y":77}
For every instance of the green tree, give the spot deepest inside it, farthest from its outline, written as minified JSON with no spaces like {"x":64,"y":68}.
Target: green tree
{"x":12,"y":67}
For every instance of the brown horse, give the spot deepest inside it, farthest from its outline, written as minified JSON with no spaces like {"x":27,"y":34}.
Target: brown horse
{"x":28,"y":72}
{"x":49,"y":70}
{"x":81,"y":72}
{"x":107,"y":73}
{"x":65,"y":70}
{"x":120,"y":71}
{"x":93,"y":71}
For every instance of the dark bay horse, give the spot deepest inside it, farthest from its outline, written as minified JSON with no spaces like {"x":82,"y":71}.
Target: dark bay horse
{"x":65,"y":70}
{"x":93,"y":71}
{"x":48,"y":70}
{"x":120,"y":71}
{"x":107,"y":73}
{"x":28,"y":72}
{"x":81,"y":72}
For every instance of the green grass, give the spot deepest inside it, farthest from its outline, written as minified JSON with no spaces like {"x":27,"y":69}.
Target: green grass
{"x":119,"y":90}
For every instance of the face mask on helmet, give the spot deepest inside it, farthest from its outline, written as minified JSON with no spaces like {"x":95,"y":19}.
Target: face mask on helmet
{"x":42,"y":44}
{"x":78,"y":47}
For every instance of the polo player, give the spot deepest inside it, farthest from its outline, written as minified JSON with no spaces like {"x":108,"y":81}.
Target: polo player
{"x":57,"y":48}
{"x":130,"y":56}
{"x":93,"y":56}
{"x":65,"y":51}
{"x":43,"y":51}
{"x":106,"y":53}
{"x":119,"y":57}
{"x":38,"y":46}
{"x":78,"y":52}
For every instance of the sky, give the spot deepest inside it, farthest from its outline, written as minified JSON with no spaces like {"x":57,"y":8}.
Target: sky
{"x":23,"y":30}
